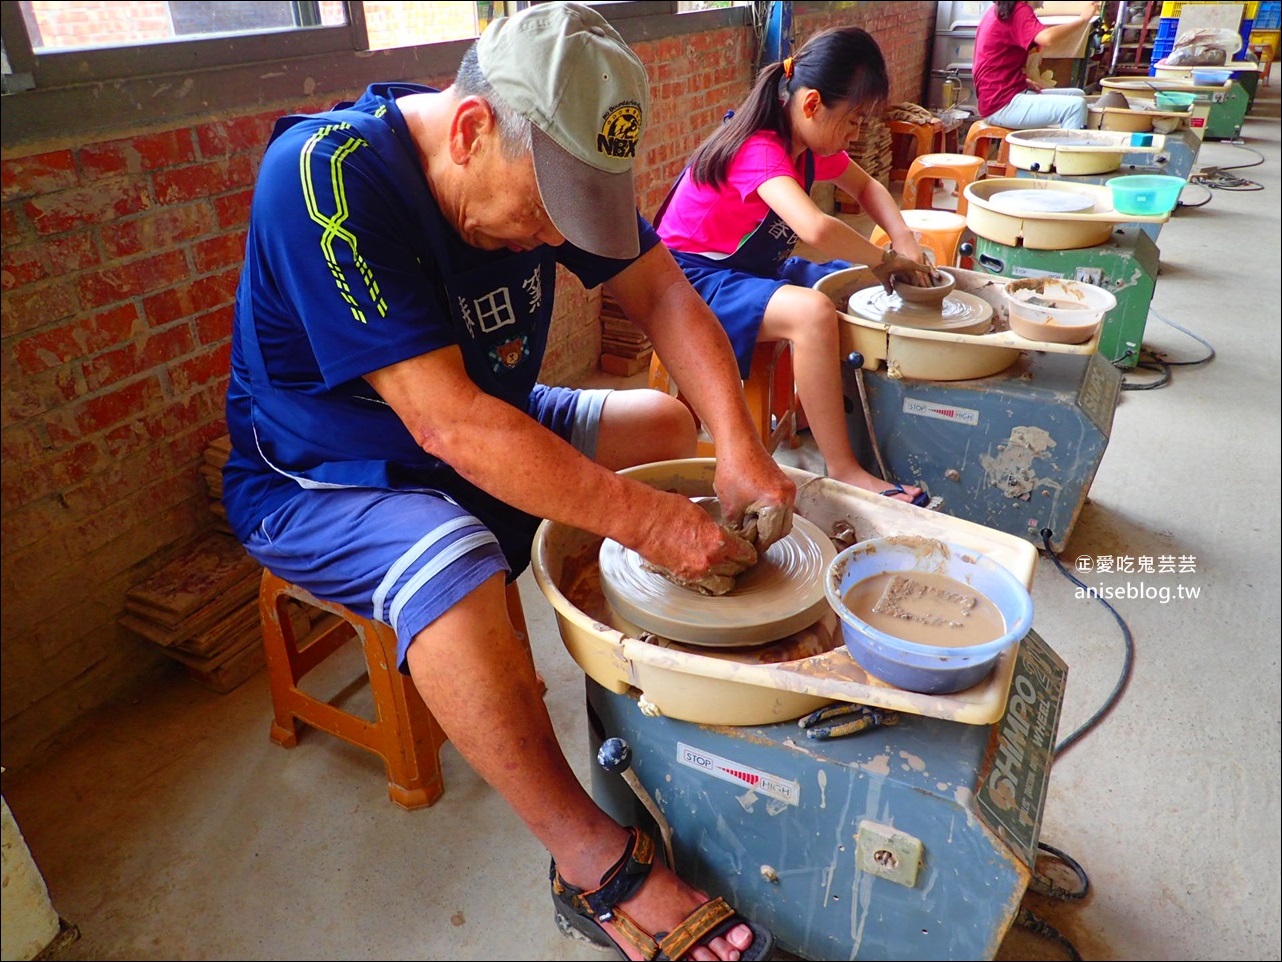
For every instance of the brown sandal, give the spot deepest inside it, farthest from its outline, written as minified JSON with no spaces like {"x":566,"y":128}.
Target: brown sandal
{"x":582,"y":912}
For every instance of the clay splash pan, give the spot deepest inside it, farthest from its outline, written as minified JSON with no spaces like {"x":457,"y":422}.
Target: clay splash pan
{"x":738,"y":686}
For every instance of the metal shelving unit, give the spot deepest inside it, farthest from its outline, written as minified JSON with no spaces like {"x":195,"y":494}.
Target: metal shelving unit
{"x":1133,"y":42}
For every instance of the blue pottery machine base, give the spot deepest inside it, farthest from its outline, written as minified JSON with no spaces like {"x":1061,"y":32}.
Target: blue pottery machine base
{"x":911,"y":841}
{"x":1015,"y":452}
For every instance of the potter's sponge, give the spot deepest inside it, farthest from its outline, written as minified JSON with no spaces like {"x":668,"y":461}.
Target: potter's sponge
{"x":908,"y":598}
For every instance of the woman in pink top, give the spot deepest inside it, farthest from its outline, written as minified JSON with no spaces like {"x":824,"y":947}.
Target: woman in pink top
{"x":736,"y":213}
{"x":1007,"y":96}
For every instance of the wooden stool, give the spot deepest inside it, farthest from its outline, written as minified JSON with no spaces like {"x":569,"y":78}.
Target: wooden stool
{"x":938,"y":231}
{"x":1264,"y":54}
{"x":979,"y":143}
{"x":770,"y":392}
{"x":926,"y":138}
{"x":404,"y":733}
{"x":929,"y":170}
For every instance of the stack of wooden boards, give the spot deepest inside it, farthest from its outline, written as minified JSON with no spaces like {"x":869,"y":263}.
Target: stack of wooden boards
{"x":625,"y":350}
{"x":872,"y":151}
{"x":211,"y":469}
{"x":202,"y":607}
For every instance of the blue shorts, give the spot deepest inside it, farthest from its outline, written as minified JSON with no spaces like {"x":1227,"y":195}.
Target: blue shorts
{"x":739,"y":298}
{"x":406,"y":557}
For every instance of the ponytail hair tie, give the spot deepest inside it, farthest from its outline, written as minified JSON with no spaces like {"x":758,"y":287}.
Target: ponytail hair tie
{"x":787,"y":68}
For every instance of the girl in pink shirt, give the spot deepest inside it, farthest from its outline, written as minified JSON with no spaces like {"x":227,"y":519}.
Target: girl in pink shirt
{"x":737,"y":211}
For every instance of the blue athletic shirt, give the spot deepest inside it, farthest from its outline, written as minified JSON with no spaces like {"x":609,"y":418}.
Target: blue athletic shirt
{"x":350,"y":266}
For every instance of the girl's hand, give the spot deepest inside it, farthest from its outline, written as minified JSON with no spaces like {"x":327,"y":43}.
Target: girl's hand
{"x":893,"y":263}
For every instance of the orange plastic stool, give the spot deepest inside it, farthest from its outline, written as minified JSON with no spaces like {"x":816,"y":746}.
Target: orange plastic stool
{"x":770,"y":392}
{"x":979,"y":143}
{"x":926,"y":138}
{"x":404,"y":733}
{"x":939,"y":231}
{"x":929,"y":170}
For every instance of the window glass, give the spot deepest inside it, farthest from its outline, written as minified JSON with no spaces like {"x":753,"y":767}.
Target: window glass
{"x":391,"y":23}
{"x":79,"y":24}
{"x":64,"y":25}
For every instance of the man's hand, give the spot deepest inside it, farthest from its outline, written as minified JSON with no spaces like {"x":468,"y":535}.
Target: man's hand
{"x":764,"y":523}
{"x":690,"y":549}
{"x":756,"y":497}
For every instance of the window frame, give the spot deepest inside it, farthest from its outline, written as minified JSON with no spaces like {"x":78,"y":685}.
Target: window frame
{"x":61,"y":68}
{"x":85,"y":93}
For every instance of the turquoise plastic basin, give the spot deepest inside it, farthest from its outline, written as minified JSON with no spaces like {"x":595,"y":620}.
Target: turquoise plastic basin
{"x":1146,"y":194}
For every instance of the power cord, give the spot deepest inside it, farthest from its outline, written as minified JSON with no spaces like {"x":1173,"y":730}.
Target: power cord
{"x":1129,"y":653}
{"x":1043,"y":885}
{"x":1040,"y":882}
{"x":1148,"y":361}
{"x":1030,"y":920}
{"x":1152,"y":361}
{"x":1211,"y":179}
{"x":1217,"y":178}
{"x":1202,"y":203}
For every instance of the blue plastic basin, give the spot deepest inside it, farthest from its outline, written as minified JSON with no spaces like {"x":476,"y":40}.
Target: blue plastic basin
{"x":930,"y":669}
{"x":1209,"y":77}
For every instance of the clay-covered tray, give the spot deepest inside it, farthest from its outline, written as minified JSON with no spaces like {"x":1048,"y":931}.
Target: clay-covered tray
{"x":745,"y":686}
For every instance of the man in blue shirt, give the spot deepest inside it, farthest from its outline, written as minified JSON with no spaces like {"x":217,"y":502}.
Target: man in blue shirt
{"x":393,"y":452}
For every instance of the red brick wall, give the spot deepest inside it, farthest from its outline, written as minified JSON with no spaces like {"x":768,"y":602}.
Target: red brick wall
{"x":903,"y":30}
{"x":696,"y":78}
{"x":120,"y":260}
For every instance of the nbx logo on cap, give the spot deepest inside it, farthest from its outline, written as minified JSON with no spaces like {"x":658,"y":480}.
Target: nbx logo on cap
{"x":620,"y":131}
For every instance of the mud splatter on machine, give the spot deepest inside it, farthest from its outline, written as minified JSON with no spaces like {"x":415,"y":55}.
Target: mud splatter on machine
{"x":913,"y":840}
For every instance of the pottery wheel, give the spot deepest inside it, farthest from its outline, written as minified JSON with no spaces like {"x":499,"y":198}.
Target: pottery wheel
{"x":1034,"y":201}
{"x":1072,"y":139}
{"x":781,"y":594}
{"x":958,"y":313}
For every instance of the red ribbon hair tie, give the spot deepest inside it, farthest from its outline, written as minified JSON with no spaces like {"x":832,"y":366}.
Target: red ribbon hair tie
{"x":787,"y":68}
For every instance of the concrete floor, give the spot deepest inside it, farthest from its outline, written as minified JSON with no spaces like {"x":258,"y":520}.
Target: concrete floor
{"x":170,"y":827}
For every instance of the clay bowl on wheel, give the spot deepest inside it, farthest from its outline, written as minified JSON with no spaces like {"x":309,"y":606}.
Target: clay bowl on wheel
{"x":940,"y":285}
{"x":1114,"y":99}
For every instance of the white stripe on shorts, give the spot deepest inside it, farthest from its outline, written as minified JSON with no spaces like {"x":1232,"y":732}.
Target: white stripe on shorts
{"x":408,"y":558}
{"x":443,"y":560}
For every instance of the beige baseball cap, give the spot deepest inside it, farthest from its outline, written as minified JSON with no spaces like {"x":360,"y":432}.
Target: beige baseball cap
{"x":566,"y":70}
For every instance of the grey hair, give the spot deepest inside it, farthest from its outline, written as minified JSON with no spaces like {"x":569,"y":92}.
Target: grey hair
{"x":514,"y":130}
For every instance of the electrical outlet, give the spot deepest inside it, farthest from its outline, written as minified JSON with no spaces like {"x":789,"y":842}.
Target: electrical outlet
{"x":888,"y":853}
{"x":1089,"y":275}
